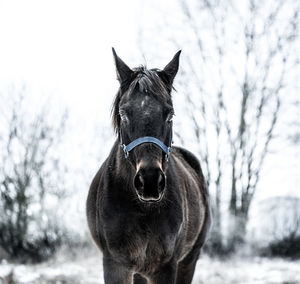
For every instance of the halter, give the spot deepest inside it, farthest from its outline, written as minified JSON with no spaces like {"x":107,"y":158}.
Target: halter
{"x":147,"y":139}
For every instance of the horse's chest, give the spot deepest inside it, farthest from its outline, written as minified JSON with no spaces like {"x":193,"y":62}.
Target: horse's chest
{"x":146,"y":255}
{"x":141,"y":249}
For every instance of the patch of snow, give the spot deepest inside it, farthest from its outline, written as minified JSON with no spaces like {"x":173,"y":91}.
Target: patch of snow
{"x":6,"y":272}
{"x":88,"y":270}
{"x":246,"y":270}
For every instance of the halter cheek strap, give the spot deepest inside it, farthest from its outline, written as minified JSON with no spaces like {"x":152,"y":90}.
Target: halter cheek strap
{"x":146,"y":139}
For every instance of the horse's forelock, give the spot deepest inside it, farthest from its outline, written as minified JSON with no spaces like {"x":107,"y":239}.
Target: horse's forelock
{"x":144,"y":81}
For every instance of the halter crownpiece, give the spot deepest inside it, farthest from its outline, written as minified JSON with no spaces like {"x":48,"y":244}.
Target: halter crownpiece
{"x":146,"y":139}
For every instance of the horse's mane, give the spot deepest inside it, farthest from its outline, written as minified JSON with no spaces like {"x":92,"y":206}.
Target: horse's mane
{"x":145,"y":81}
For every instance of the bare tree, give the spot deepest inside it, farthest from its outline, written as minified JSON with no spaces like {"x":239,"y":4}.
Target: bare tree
{"x":280,"y":226}
{"x":238,"y":59}
{"x":31,"y":172}
{"x":266,"y":37}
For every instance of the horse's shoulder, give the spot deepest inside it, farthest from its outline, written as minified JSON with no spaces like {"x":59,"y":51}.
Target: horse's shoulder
{"x":189,"y":158}
{"x":92,"y":204}
{"x":96,"y":180}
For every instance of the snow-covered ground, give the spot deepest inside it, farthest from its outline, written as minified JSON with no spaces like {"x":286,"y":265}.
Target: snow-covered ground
{"x":88,"y":270}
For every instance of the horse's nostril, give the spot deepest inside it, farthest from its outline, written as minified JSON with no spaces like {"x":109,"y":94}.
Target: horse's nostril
{"x":161,"y":181}
{"x":138,"y":182}
{"x":141,"y":179}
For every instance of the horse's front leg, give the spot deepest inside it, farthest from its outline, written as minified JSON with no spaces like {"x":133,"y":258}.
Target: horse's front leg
{"x":114,"y":273}
{"x":166,"y":274}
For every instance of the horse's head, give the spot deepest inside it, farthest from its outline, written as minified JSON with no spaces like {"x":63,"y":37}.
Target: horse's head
{"x":142,"y":115}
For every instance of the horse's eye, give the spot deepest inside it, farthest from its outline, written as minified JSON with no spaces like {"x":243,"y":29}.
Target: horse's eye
{"x":123,"y":117}
{"x":170,"y":117}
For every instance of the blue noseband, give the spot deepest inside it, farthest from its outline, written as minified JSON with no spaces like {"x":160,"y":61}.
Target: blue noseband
{"x":146,"y":139}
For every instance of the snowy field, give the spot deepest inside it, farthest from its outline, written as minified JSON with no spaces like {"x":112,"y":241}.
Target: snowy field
{"x":88,"y":270}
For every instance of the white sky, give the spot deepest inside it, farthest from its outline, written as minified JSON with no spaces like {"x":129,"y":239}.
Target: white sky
{"x":63,"y":48}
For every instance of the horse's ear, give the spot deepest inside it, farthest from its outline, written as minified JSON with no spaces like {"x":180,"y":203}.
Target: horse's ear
{"x":124,"y":73}
{"x":169,"y":72}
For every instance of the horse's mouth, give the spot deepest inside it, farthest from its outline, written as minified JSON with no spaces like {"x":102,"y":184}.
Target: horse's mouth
{"x":150,"y":200}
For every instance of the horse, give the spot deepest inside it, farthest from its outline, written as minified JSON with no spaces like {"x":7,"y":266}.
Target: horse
{"x":148,"y":206}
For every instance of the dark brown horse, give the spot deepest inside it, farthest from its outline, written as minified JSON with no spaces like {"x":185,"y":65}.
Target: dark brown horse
{"x":147,"y":207}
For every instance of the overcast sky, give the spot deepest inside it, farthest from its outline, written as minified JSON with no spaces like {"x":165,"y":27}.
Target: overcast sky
{"x":63,"y":48}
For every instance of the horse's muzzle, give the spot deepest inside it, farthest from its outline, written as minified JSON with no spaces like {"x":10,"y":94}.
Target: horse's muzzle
{"x":150,"y":184}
